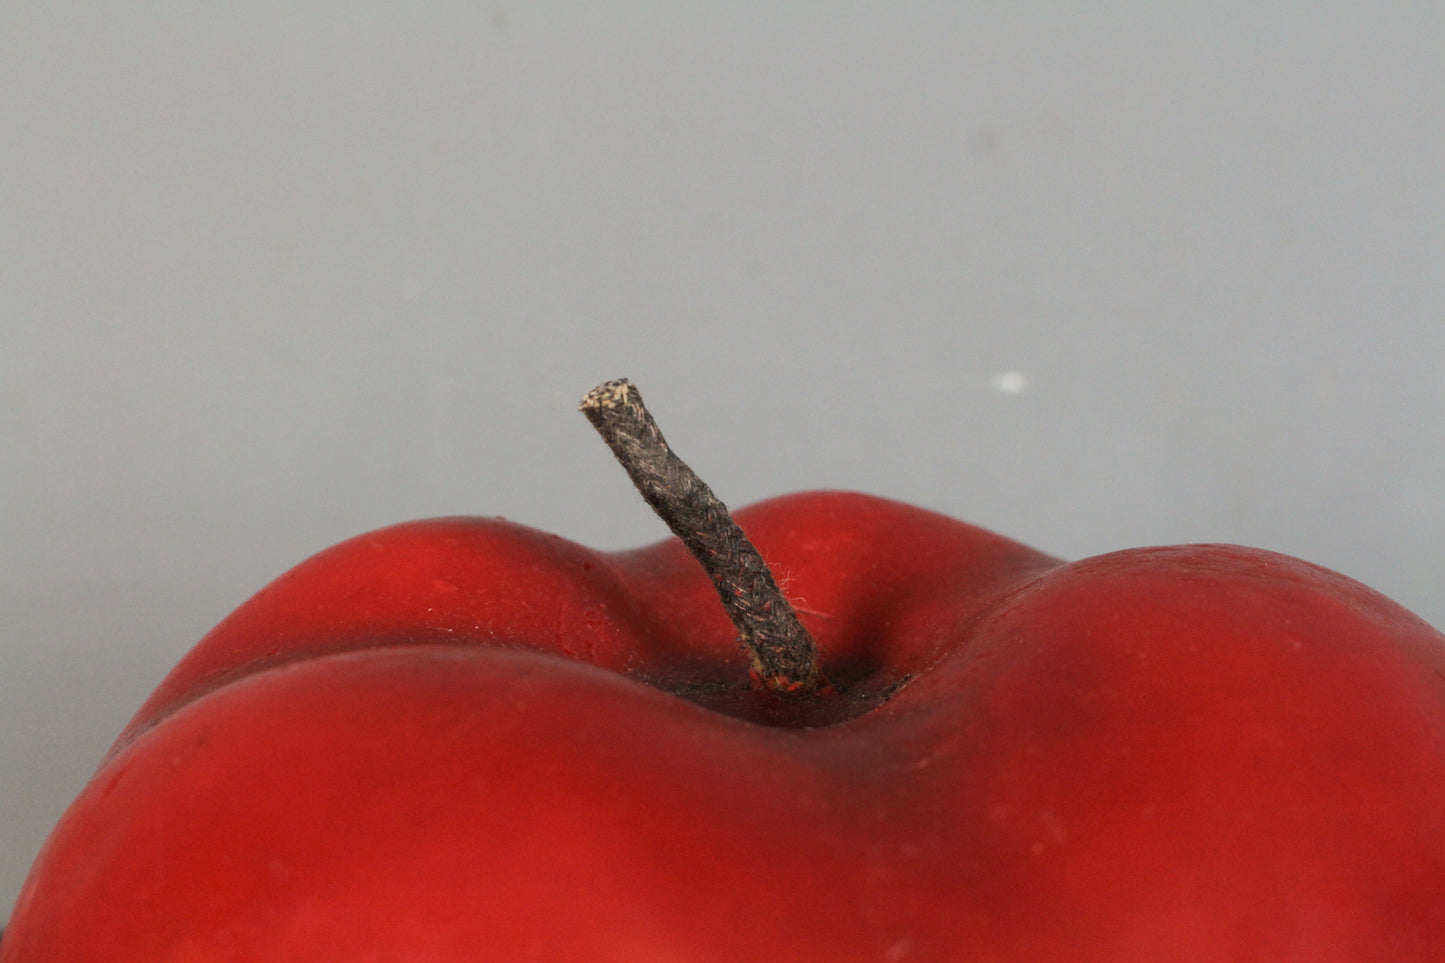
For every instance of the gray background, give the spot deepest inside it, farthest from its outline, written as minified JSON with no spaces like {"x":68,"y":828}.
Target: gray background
{"x":1093,"y":275}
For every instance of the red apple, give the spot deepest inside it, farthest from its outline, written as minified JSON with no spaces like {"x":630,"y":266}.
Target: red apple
{"x":464,"y":739}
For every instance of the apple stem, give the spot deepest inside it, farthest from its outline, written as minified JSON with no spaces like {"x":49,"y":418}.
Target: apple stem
{"x":784,"y":656}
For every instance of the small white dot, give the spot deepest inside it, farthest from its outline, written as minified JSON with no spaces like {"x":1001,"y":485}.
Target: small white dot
{"x":1010,"y":382}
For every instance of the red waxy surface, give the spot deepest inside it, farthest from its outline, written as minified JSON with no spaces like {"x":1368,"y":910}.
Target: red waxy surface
{"x":459,"y":740}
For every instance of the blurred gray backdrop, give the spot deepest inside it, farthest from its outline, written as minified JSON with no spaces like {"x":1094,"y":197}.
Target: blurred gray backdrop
{"x":1092,"y":275}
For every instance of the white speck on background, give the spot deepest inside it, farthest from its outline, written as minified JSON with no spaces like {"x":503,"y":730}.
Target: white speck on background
{"x":1009,"y":382}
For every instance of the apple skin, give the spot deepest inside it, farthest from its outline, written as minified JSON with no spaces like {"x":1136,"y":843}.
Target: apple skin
{"x":463,"y":739}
